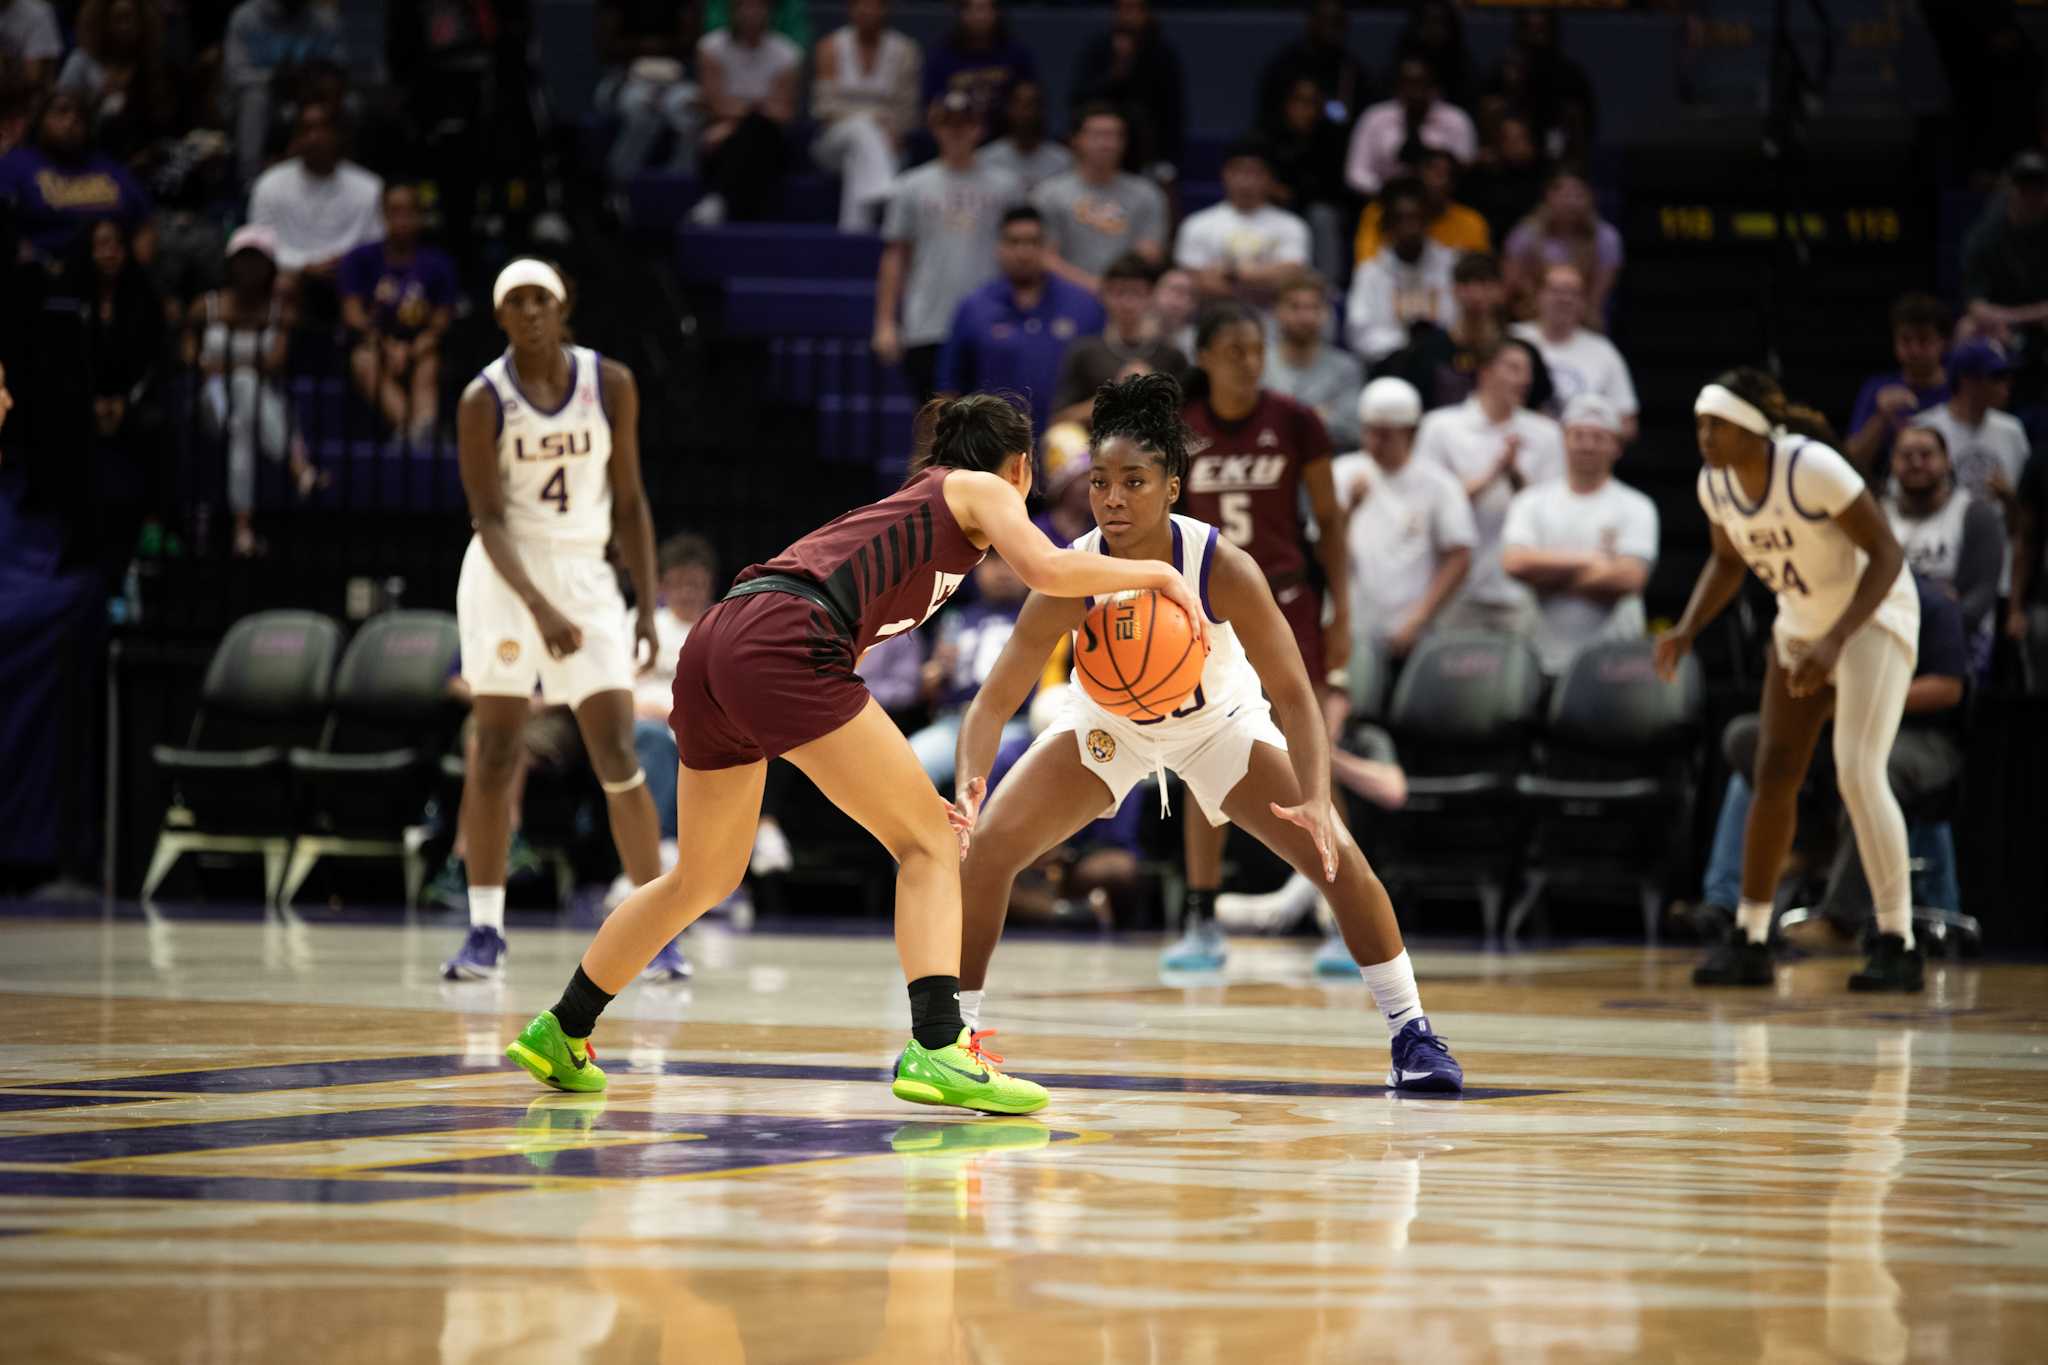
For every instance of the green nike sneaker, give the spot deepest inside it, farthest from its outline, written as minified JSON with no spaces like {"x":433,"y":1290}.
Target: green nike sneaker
{"x":964,"y":1075}
{"x":553,"y":1058}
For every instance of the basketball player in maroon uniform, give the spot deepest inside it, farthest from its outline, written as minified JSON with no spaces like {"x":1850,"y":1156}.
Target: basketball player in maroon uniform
{"x":769,"y":672}
{"x":1262,"y":450}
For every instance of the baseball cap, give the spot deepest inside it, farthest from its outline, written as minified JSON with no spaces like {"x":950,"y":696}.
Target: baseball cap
{"x":1591,"y":410}
{"x":2028,"y":165}
{"x":1389,"y":402}
{"x":1978,"y":356}
{"x":253,"y":237}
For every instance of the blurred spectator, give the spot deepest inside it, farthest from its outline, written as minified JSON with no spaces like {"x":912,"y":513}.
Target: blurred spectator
{"x":1994,"y":80}
{"x":1307,"y":368}
{"x":1011,"y":332}
{"x":1442,"y":363}
{"x":894,"y":673}
{"x":1097,"y":212}
{"x":1584,"y":544}
{"x":266,"y":41}
{"x":649,"y":43}
{"x":1174,"y":301}
{"x":1133,"y":67}
{"x":1579,"y":359}
{"x":1410,"y":531}
{"x":1127,"y":335}
{"x":2005,"y":267}
{"x":1409,"y":281}
{"x":1435,"y":32}
{"x":124,"y":330}
{"x":2026,"y":620}
{"x":1926,"y":757}
{"x":1244,"y":247}
{"x":1307,"y":154}
{"x":397,"y":299}
{"x":29,"y":36}
{"x":1952,"y":538}
{"x":1022,"y":152}
{"x":319,"y":206}
{"x":1920,"y":327}
{"x":749,"y":77}
{"x":1495,"y":447}
{"x":687,"y":576}
{"x":1507,"y":180}
{"x":1565,"y":229}
{"x":119,"y":69}
{"x":60,"y":184}
{"x":864,"y":92}
{"x":970,"y":638}
{"x":1451,"y":223}
{"x":1417,"y":115}
{"x":1322,"y":54}
{"x":238,"y":337}
{"x":1987,"y":447}
{"x":1535,"y":76}
{"x":1065,"y":458}
{"x":940,"y":232}
{"x":790,"y":18}
{"x":978,"y":58}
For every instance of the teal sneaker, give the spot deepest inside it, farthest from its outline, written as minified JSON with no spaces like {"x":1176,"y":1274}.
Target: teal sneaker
{"x":555,"y":1059}
{"x":1199,"y":949}
{"x":1334,"y":959}
{"x":964,"y":1075}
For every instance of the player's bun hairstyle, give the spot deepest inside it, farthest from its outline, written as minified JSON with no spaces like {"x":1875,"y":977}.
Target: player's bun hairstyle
{"x":975,"y":431}
{"x":1146,"y":409}
{"x":1759,"y":390}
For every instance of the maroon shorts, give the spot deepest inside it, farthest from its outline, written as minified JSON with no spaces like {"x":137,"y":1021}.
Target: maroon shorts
{"x":759,"y":676}
{"x":1302,"y":605}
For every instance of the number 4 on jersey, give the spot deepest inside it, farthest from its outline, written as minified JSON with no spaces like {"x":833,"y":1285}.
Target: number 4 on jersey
{"x":556,"y":491}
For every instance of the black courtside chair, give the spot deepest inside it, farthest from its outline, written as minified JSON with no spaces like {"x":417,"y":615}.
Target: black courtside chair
{"x":1608,"y":799}
{"x":266,"y":690}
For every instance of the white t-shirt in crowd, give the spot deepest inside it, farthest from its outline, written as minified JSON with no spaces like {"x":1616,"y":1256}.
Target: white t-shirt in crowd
{"x":1395,"y":539}
{"x":1998,"y":442}
{"x":1269,"y":236}
{"x":1613,"y":519}
{"x":750,"y":72}
{"x":1586,"y":363}
{"x":1467,"y":443}
{"x":658,"y":684}
{"x":1388,"y":294}
{"x":317,"y":218}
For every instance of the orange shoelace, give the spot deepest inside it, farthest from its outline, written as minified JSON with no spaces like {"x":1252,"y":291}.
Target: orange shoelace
{"x":980,"y":1053}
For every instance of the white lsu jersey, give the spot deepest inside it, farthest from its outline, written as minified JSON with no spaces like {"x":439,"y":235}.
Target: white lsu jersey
{"x":1790,"y":540}
{"x":555,"y":464}
{"x":1229,"y":683}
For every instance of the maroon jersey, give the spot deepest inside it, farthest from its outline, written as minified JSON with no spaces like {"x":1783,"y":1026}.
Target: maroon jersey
{"x":886,"y":566}
{"x":1247,"y":480}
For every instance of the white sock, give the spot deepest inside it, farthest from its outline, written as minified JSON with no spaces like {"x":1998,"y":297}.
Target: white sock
{"x":1392,"y":984}
{"x":970,"y":1008}
{"x":487,"y":907}
{"x":1754,"y":919}
{"x":1898,"y":922}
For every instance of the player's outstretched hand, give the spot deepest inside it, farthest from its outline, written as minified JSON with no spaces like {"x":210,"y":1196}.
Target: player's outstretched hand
{"x":962,"y":812}
{"x":1670,"y":651}
{"x":562,"y":636}
{"x":1319,"y":821}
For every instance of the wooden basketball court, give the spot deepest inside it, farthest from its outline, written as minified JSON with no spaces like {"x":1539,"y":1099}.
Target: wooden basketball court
{"x":281,"y":1142}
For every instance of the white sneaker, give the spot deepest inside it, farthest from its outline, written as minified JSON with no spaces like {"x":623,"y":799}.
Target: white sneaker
{"x":1273,"y":912}
{"x":622,"y":887}
{"x":708,"y":211}
{"x":669,"y":855}
{"x":771,"y":850}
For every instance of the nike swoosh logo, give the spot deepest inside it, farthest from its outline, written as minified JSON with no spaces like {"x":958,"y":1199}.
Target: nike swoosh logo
{"x":1416,"y":1075}
{"x":981,"y":1079}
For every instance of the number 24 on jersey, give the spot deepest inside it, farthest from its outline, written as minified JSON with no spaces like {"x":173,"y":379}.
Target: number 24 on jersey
{"x":1763,"y":544}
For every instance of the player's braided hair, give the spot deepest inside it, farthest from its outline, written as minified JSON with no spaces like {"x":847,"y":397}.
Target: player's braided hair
{"x":1146,"y":408}
{"x":974,"y":431}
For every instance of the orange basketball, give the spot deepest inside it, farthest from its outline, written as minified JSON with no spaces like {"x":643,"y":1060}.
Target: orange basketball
{"x":1138,"y":656}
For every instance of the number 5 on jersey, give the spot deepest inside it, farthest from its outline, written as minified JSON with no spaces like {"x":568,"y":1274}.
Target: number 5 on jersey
{"x":556,"y":491}
{"x":1237,"y":517}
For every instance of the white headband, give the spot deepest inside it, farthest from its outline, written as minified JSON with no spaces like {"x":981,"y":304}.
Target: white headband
{"x":1729,"y":406}
{"x":525,"y":271}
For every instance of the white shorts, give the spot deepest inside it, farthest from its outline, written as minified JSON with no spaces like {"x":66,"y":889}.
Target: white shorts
{"x":502,"y":652}
{"x":1211,"y":761}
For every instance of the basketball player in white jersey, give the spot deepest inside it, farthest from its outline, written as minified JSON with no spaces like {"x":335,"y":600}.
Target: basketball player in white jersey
{"x":1272,"y":781}
{"x":1797,"y":514}
{"x":549,"y":442}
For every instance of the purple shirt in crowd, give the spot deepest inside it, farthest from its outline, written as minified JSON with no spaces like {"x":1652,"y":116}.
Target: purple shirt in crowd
{"x":57,"y":203}
{"x":1866,"y":404}
{"x":401,"y":299}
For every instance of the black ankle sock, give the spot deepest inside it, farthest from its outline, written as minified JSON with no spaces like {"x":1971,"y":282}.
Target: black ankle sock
{"x":580,"y":1005}
{"x":1197,"y":906}
{"x":935,"y":1011}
